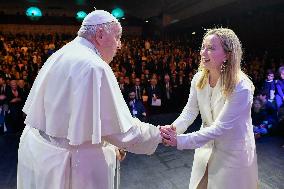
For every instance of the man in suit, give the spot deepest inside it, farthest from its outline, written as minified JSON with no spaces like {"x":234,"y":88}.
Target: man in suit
{"x":167,"y":95}
{"x":3,"y":103}
{"x":124,"y":87}
{"x":154,"y":94}
{"x":138,"y":88}
{"x":3,"y":89}
{"x":136,"y":107}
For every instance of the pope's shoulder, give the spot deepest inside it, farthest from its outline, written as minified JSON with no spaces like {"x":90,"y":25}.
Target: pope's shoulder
{"x":77,"y":54}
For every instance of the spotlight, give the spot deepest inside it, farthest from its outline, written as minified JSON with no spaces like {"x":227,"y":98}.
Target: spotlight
{"x":33,"y":13}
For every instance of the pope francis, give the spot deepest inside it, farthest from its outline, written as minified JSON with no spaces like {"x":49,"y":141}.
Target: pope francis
{"x":75,"y":111}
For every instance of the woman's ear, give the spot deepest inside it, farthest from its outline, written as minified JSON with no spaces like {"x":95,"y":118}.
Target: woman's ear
{"x":228,"y":56}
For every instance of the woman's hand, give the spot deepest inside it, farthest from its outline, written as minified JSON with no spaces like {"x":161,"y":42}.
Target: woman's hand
{"x":168,"y":132}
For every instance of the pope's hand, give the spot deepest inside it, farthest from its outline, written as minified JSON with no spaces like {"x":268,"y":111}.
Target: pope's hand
{"x":120,"y":154}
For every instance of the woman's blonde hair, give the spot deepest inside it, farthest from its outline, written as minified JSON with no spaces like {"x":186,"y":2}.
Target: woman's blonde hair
{"x":231,"y":71}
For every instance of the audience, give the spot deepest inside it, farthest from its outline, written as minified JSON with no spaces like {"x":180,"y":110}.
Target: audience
{"x":153,"y":75}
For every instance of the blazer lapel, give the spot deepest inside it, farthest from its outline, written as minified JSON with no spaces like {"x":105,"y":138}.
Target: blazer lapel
{"x":204,"y":98}
{"x":217,"y":100}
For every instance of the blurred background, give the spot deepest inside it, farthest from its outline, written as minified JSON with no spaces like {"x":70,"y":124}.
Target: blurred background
{"x":159,"y":56}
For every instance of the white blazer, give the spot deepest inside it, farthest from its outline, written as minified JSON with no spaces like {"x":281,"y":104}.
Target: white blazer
{"x":225,"y":142}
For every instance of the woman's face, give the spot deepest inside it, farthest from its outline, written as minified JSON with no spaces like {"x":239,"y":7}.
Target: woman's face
{"x":212,"y":53}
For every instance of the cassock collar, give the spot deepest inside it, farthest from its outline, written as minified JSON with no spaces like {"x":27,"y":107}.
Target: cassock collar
{"x":88,"y":44}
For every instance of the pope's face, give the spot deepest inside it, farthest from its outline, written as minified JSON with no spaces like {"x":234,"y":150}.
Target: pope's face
{"x":212,"y":53}
{"x":111,"y":43}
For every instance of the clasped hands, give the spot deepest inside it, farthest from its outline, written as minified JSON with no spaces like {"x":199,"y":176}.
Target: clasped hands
{"x":169,"y":135}
{"x":169,"y":138}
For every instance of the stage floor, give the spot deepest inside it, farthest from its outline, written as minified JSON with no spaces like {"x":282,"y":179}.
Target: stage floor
{"x":166,"y":169}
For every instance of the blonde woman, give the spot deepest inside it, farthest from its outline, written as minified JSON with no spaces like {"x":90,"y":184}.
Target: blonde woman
{"x":225,"y":155}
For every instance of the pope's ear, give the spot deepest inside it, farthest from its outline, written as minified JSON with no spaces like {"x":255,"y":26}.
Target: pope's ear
{"x":99,"y":36}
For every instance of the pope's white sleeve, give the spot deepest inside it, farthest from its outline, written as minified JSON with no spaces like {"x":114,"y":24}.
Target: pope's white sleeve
{"x":142,"y":138}
{"x":233,"y":110}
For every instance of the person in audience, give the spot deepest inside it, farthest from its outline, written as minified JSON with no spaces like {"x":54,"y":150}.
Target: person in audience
{"x":3,"y":90}
{"x":279,"y":98}
{"x":136,"y":107}
{"x":124,"y":87}
{"x":269,"y":86}
{"x":14,"y":99}
{"x":259,"y":118}
{"x":154,"y":94}
{"x":269,"y":107}
{"x":181,"y":81}
{"x":168,"y":95}
{"x":139,"y":89}
{"x":22,"y":85}
{"x":3,"y":104}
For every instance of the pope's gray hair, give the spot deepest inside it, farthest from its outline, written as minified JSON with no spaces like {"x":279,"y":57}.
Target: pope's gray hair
{"x":88,"y":31}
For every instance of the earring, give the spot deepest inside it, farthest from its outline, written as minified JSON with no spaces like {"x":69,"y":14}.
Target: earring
{"x":223,"y":66}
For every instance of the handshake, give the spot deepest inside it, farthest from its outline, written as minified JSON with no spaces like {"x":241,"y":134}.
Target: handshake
{"x":169,"y":138}
{"x":169,"y":135}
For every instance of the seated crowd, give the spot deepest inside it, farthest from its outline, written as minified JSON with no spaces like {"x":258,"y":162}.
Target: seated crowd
{"x":154,"y":77}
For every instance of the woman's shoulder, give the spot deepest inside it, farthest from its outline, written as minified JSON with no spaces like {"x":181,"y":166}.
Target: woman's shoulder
{"x":197,"y":76}
{"x":245,"y":83}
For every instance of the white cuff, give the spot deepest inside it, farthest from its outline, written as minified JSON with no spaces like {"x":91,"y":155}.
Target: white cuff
{"x":184,"y":141}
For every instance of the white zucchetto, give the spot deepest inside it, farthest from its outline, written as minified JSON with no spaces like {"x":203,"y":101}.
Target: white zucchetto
{"x":98,"y":17}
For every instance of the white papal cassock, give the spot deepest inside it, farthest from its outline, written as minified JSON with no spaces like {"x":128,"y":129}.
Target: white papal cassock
{"x":74,"y":110}
{"x":225,"y":143}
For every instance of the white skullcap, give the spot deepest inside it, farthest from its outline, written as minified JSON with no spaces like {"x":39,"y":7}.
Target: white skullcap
{"x":98,"y":17}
